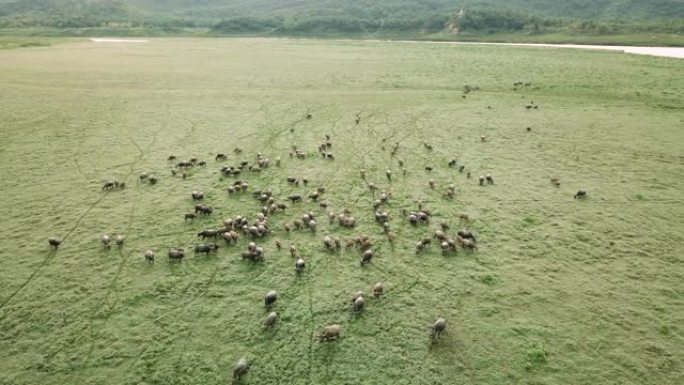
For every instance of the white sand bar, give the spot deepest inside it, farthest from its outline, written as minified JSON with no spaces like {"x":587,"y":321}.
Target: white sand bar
{"x":112,"y":40}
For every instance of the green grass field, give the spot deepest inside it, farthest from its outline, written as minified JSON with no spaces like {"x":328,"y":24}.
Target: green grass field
{"x":561,"y":291}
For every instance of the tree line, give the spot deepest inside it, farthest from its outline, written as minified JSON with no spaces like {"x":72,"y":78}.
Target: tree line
{"x":115,"y":15}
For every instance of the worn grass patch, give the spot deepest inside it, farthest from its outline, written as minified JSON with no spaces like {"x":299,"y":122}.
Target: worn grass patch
{"x":561,"y":291}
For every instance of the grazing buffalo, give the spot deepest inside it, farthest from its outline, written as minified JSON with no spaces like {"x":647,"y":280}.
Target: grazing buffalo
{"x":108,"y":185}
{"x":330,"y":333}
{"x":176,"y":254}
{"x":211,"y":233}
{"x":468,"y":244}
{"x":54,"y":242}
{"x":438,"y":327}
{"x":300,"y":265}
{"x":358,"y":304}
{"x":204,"y":209}
{"x":206,"y":248}
{"x":581,"y":194}
{"x":378,"y":289}
{"x":105,"y":239}
{"x":466,"y":234}
{"x":366,"y":257}
{"x":231,"y":237}
{"x":270,"y":298}
{"x":270,"y":319}
{"x":240,"y":368}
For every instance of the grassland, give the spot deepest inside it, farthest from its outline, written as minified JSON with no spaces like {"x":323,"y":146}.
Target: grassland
{"x":560,"y":292}
{"x":18,"y":41}
{"x":20,"y":37}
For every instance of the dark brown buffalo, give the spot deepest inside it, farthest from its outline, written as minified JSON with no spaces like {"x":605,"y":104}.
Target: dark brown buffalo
{"x":203,"y":209}
{"x":176,"y":254}
{"x":467,"y":234}
{"x":211,"y":233}
{"x":54,"y":242}
{"x":581,"y":194}
{"x":206,"y":248}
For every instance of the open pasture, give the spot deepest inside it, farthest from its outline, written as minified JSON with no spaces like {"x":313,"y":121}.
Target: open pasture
{"x":560,"y":290}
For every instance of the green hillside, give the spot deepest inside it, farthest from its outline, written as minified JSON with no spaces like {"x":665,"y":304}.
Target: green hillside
{"x":391,"y":18}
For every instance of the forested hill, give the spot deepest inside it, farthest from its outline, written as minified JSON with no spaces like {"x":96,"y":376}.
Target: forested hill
{"x":348,"y":17}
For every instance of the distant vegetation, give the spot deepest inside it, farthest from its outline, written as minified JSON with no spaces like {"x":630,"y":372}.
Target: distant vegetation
{"x":391,"y":18}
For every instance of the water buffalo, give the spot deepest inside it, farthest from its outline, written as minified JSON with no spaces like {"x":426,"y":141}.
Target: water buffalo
{"x":300,"y":265}
{"x":330,"y":333}
{"x":358,"y":304}
{"x":105,"y":239}
{"x":270,"y":298}
{"x":206,"y":248}
{"x":211,"y":233}
{"x":240,"y":368}
{"x":366,"y":257}
{"x":231,"y":237}
{"x":378,"y":289}
{"x":271,"y":319}
{"x":204,"y":209}
{"x":438,"y":327}
{"x":54,"y":242}
{"x":468,"y":244}
{"x":108,"y":185}
{"x":176,"y":254}
{"x":467,"y":234}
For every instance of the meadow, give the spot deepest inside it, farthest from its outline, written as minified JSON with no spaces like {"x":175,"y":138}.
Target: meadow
{"x":560,"y":291}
